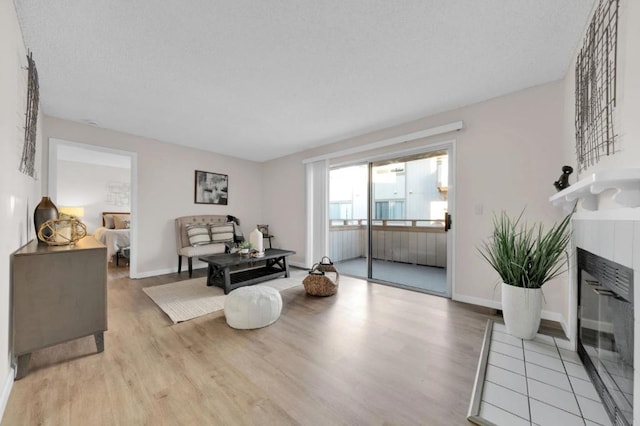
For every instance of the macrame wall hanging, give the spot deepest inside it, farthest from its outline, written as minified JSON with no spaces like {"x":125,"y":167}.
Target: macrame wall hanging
{"x":596,"y":86}
{"x":28,"y":160}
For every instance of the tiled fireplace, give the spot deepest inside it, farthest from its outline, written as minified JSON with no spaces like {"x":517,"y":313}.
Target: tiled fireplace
{"x":604,"y":323}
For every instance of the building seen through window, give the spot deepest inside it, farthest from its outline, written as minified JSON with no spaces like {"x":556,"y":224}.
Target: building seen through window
{"x":412,"y":190}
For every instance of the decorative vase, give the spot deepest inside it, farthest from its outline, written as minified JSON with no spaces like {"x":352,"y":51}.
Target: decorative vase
{"x":45,"y":211}
{"x":521,"y":309}
{"x":256,"y":240}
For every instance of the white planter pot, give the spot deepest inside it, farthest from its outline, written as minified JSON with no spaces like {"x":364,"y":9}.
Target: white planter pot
{"x":521,"y":309}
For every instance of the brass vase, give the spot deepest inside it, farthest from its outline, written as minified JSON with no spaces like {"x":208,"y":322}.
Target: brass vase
{"x":45,"y":211}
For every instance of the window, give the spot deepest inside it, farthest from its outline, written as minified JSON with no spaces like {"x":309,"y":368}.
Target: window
{"x":341,"y":210}
{"x":389,"y":210}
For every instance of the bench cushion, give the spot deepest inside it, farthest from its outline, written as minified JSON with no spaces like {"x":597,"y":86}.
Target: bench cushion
{"x":204,"y":250}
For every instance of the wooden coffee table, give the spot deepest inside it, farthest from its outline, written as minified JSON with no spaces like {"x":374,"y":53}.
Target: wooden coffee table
{"x":250,"y":270}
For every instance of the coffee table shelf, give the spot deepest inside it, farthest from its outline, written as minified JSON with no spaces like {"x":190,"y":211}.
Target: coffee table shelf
{"x":219,"y":270}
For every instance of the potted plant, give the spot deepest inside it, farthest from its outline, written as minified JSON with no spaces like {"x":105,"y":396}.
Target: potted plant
{"x":525,"y":257}
{"x":243,"y":248}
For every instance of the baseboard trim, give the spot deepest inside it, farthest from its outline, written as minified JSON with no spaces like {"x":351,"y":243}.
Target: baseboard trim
{"x":298,"y":265}
{"x":494,"y":304}
{"x":6,"y":391}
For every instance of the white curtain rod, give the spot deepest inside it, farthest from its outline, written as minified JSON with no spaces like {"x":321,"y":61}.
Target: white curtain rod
{"x":446,"y":128}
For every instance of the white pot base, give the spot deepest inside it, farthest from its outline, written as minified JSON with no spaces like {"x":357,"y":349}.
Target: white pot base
{"x":522,"y":310}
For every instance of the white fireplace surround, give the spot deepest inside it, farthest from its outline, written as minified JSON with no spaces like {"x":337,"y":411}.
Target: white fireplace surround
{"x":606,"y":223}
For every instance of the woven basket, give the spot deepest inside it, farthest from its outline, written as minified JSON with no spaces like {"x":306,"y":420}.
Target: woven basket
{"x":323,"y":279}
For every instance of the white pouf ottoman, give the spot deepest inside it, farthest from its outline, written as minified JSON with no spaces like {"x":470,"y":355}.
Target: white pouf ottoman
{"x":252,"y":307}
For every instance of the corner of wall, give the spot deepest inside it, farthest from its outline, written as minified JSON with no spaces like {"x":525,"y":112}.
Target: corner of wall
{"x":6,"y":391}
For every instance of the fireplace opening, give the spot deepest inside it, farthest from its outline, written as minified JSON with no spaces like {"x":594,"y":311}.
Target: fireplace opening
{"x":605,"y":331}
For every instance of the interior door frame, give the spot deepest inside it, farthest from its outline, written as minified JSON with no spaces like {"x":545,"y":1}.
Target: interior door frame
{"x":52,"y":183}
{"x":450,"y":146}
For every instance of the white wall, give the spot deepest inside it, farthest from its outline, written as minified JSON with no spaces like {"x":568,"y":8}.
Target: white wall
{"x":627,"y":114}
{"x":166,"y":187}
{"x":87,"y":185}
{"x":19,"y":194}
{"x":627,"y":155}
{"x":506,"y":159}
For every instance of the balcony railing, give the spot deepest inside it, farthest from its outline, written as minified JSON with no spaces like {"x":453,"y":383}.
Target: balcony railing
{"x":417,"y":241}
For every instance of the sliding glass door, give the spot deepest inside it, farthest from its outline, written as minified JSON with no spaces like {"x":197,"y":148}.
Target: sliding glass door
{"x":387,"y":220}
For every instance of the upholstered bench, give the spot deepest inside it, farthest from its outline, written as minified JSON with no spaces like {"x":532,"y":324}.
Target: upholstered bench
{"x":252,"y":307}
{"x":186,"y":245}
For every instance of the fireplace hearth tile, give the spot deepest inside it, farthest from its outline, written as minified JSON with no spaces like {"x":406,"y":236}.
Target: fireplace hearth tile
{"x":559,"y":394}
{"x":499,"y":416}
{"x":542,"y":348}
{"x":508,"y":363}
{"x":605,"y":238}
{"x":543,"y":360}
{"x":506,"y":338}
{"x":551,"y":377}
{"x":507,"y":349}
{"x":507,"y":379}
{"x":584,"y":388}
{"x":570,"y":356}
{"x":546,"y":415}
{"x":623,"y":249}
{"x":542,"y":339}
{"x":594,"y":411}
{"x":576,"y":371}
{"x":553,"y":396}
{"x":509,"y":400}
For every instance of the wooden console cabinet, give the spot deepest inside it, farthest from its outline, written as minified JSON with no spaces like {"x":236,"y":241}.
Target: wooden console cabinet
{"x":58,"y":293}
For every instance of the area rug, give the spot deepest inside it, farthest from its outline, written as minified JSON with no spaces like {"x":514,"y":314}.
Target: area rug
{"x":185,"y":300}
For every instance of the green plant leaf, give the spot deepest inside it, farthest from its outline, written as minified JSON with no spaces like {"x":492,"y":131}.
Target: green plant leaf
{"x":524,"y":255}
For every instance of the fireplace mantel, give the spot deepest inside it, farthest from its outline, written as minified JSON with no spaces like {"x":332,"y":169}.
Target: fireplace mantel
{"x":587,"y":190}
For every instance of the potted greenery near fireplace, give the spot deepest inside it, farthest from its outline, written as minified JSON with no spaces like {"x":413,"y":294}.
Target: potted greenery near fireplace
{"x":526,"y":257}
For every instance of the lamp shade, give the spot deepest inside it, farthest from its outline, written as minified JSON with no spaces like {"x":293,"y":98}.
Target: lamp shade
{"x":72,"y":211}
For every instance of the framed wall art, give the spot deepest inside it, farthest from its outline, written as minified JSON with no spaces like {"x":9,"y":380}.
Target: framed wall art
{"x":211,"y":188}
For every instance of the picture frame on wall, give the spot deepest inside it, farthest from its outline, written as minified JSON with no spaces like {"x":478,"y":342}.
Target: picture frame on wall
{"x":211,"y":188}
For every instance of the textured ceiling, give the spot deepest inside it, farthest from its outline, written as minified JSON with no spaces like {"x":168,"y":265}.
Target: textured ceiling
{"x":263,"y":79}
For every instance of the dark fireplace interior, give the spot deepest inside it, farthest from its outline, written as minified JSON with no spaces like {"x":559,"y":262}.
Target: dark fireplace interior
{"x":605,"y":336}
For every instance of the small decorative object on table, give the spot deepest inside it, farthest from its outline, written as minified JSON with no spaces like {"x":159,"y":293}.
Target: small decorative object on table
{"x":243,"y":248}
{"x":255,"y":238}
{"x":323,"y":279}
{"x":44,"y":211}
{"x":62,"y":232}
{"x":563,"y":181}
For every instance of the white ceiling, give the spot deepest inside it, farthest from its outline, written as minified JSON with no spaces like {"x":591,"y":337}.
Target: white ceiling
{"x":263,"y":79}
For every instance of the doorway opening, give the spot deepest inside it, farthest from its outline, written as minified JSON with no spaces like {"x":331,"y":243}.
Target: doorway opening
{"x":388,"y":220}
{"x":98,"y":180}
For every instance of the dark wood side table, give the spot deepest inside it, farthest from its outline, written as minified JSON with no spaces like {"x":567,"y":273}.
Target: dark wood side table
{"x":59,"y":293}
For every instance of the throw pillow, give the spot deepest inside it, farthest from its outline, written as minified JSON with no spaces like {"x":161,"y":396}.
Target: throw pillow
{"x":221,"y":233}
{"x":198,"y":235}
{"x":108,"y":221}
{"x":122,"y":221}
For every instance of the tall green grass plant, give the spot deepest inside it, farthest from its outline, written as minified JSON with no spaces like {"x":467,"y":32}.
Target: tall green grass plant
{"x":526,"y":256}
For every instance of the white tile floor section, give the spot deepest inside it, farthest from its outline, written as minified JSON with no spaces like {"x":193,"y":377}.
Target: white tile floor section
{"x":537,"y":382}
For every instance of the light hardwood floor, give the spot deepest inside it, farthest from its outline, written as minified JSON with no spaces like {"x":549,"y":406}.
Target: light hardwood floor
{"x":372,"y":354}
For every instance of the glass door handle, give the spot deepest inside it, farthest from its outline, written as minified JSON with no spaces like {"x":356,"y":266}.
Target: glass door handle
{"x":447,"y":221}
